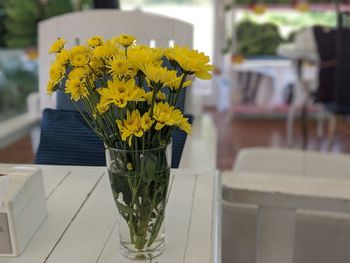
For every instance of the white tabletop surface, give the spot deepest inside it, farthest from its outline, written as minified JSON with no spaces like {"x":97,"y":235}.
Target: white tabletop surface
{"x":82,"y":222}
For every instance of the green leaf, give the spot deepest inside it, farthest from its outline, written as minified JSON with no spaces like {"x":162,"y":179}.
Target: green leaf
{"x":125,"y":209}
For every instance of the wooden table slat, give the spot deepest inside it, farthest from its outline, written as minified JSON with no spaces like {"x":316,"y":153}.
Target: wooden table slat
{"x":72,"y":192}
{"x":177,"y":220}
{"x":201,"y":209}
{"x":90,"y":229}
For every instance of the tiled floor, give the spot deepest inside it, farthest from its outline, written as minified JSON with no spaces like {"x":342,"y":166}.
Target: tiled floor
{"x":233,"y":136}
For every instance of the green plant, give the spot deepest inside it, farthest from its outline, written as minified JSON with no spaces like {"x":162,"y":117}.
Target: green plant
{"x":22,"y":17}
{"x":255,"y":39}
{"x":21,"y":22}
{"x":16,"y":83}
{"x":56,"y":7}
{"x":2,"y":23}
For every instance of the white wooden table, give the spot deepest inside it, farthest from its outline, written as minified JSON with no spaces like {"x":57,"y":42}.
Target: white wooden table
{"x":82,"y":222}
{"x":279,"y":197}
{"x":200,"y":150}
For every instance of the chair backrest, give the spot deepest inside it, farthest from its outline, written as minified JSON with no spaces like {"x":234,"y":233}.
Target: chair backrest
{"x":334,"y":77}
{"x":58,"y":125}
{"x":326,"y":48}
{"x":147,"y":28}
{"x":342,"y":78}
{"x":289,"y":162}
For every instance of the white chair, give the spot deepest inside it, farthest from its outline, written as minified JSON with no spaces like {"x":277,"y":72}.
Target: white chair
{"x":146,"y":27}
{"x":319,"y":236}
{"x":149,"y":29}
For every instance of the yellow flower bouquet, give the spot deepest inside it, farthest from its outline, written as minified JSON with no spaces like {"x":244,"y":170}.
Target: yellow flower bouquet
{"x":127,"y":94}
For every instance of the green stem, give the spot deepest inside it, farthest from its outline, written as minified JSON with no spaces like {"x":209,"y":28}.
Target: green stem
{"x":97,"y":75}
{"x":126,"y":52}
{"x":155,"y":229}
{"x":180,"y":88}
{"x":154,"y":95}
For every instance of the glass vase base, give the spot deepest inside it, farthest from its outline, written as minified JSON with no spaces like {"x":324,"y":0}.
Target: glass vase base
{"x":128,"y":250}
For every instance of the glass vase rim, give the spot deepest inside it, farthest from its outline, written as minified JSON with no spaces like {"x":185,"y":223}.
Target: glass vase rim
{"x":140,"y":150}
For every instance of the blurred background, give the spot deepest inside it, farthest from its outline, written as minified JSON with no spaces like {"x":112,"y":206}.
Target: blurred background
{"x":265,"y":91}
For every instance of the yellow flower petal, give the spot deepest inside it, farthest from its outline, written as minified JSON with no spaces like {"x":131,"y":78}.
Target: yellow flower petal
{"x":203,"y":75}
{"x":125,"y":40}
{"x":119,"y":93}
{"x":57,"y":46}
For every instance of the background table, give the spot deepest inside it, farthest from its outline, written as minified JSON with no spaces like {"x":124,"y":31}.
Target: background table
{"x":82,"y":223}
{"x":279,"y":70}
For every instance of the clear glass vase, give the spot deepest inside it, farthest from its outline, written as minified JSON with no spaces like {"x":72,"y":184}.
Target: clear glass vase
{"x":140,"y":182}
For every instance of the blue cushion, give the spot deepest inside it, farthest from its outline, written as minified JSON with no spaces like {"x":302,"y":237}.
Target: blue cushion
{"x":66,"y":139}
{"x":63,"y":102}
{"x":178,"y":139}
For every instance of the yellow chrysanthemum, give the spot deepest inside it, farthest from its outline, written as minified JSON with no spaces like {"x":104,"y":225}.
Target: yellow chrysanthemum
{"x":78,"y":50}
{"x":149,"y":95}
{"x":105,"y":51}
{"x":79,"y":56}
{"x":62,"y":58}
{"x":303,"y":7}
{"x":142,"y":55}
{"x":191,"y":61}
{"x":120,"y":67}
{"x":79,"y":60}
{"x":131,"y":126}
{"x":51,"y":87}
{"x":146,"y":122}
{"x":56,"y":73}
{"x":32,"y":54}
{"x":157,"y":75}
{"x":95,"y":41}
{"x":259,"y":9}
{"x":78,"y":73}
{"x":175,"y":85}
{"x":76,"y":88}
{"x":185,"y":125}
{"x":119,"y":93}
{"x":96,"y":67}
{"x":165,"y":114}
{"x":57,"y":46}
{"x":125,"y":40}
{"x":237,"y":59}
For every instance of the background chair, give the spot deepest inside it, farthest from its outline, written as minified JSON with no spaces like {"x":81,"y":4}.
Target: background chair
{"x":332,"y":91}
{"x":320,"y":237}
{"x":335,"y":97}
{"x":149,"y":29}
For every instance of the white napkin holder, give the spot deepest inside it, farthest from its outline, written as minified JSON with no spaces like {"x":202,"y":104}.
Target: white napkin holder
{"x":22,"y":207}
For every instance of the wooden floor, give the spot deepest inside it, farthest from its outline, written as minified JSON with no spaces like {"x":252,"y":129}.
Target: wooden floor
{"x":238,"y":134}
{"x":233,"y":136}
{"x":19,"y":152}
